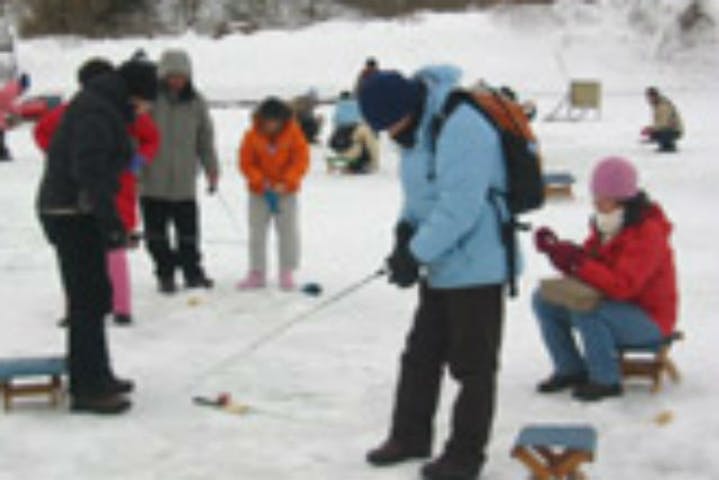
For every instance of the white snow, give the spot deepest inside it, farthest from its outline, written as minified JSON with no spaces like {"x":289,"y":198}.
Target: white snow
{"x":322,"y":393}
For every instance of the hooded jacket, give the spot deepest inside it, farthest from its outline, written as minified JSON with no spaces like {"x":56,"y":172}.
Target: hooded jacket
{"x":88,"y":153}
{"x":147,"y":139}
{"x":457,"y":229}
{"x":637,"y":266}
{"x":187,"y":137}
{"x":283,"y":160}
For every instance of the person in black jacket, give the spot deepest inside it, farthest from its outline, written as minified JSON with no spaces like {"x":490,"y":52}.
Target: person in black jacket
{"x":76,"y":205}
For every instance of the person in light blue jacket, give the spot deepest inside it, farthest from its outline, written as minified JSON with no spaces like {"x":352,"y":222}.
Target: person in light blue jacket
{"x":347,"y":111}
{"x":450,"y":229}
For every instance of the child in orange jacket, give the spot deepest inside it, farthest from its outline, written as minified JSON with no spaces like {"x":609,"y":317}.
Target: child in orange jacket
{"x":274,"y":157}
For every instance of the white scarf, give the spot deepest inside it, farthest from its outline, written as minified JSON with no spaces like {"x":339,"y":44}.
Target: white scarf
{"x":610,"y":224}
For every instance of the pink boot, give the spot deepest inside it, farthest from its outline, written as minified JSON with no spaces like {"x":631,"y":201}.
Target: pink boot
{"x":287,"y":281}
{"x":255,"y":280}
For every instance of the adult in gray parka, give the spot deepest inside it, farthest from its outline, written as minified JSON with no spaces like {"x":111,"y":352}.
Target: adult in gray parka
{"x":169,"y":184}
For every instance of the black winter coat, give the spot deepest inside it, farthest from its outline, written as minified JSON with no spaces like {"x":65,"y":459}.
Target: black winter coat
{"x":88,"y":153}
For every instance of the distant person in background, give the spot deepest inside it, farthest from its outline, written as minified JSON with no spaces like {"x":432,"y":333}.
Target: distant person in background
{"x":667,"y":127}
{"x":78,"y":211}
{"x":9,"y":96}
{"x":274,"y":157}
{"x":353,"y":141}
{"x":304,"y":107}
{"x":371,"y":67}
{"x":169,"y":184}
{"x":147,"y":141}
{"x":629,"y":259}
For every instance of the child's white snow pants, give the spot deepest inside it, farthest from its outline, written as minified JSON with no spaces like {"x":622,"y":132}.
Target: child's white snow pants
{"x":286,"y":226}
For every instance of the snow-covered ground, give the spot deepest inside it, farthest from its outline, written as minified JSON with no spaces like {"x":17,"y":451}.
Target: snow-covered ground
{"x":321,"y":394}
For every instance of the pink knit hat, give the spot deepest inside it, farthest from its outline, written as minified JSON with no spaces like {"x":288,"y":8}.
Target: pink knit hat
{"x":615,"y":178}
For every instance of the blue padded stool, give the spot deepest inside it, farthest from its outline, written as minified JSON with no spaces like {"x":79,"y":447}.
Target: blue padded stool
{"x":51,"y":368}
{"x":559,"y":185}
{"x":555,"y":452}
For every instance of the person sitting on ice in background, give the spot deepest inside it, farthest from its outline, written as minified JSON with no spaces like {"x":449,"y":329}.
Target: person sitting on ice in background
{"x":168,"y":186}
{"x":78,"y":211}
{"x":629,"y":259}
{"x":352,"y":140}
{"x":371,"y":66}
{"x":448,"y":226}
{"x":10,"y":93}
{"x":147,"y":141}
{"x":668,"y":126}
{"x":274,"y":157}
{"x":304,"y":107}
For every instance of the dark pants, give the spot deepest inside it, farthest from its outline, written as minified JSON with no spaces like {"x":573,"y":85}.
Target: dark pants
{"x":666,"y":139}
{"x":81,"y":255}
{"x":4,"y":152}
{"x":158,"y":216}
{"x":461,"y":329}
{"x":310,"y":127}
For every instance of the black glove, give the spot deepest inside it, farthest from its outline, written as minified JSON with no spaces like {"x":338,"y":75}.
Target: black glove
{"x":116,"y":239}
{"x":403,"y":267}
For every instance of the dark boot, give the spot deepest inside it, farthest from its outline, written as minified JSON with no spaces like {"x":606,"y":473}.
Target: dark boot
{"x":118,"y":386}
{"x":593,"y":392}
{"x":106,"y":404}
{"x":123,"y":320}
{"x":200,"y":281}
{"x":167,"y":285}
{"x":559,"y":383}
{"x":393,"y":452}
{"x":445,"y":469}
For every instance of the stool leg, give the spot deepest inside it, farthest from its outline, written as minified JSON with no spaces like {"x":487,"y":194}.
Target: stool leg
{"x":5,"y":387}
{"x":538,"y":470}
{"x":55,"y":393}
{"x":672,"y":370}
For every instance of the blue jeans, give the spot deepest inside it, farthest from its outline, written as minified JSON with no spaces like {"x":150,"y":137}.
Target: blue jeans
{"x":603,"y":332}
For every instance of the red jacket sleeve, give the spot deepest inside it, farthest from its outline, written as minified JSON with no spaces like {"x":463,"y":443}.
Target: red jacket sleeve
{"x":46,"y":127}
{"x":626,"y":277}
{"x":147,"y":135}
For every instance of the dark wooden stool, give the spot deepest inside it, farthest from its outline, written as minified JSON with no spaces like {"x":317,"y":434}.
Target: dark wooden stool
{"x":651,"y":362}
{"x":559,"y":185}
{"x":553,"y":452}
{"x":50,"y":369}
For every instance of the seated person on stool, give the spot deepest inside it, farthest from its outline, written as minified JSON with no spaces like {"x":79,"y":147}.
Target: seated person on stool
{"x":353,"y":141}
{"x":668,"y":126}
{"x":629,"y":259}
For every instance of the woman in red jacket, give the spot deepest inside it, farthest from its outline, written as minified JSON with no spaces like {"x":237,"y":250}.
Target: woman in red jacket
{"x":147,"y":139}
{"x":629,"y":259}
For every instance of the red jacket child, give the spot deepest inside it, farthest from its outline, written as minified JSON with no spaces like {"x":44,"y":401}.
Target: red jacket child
{"x":145,"y":133}
{"x":637,"y":266}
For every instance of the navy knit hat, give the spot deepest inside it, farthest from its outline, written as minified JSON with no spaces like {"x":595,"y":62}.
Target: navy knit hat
{"x":140,"y":78}
{"x":387,"y":97}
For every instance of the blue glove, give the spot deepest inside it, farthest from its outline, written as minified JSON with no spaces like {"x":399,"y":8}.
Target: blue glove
{"x":273,"y":201}
{"x":136,"y":163}
{"x":24,"y":81}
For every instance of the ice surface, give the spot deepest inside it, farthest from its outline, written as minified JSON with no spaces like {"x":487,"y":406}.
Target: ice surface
{"x":322,"y":393}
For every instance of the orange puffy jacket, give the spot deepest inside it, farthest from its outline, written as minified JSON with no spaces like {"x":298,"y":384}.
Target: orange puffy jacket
{"x":267,"y":163}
